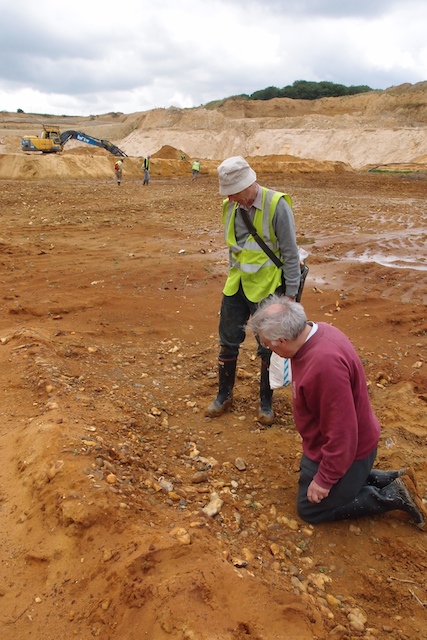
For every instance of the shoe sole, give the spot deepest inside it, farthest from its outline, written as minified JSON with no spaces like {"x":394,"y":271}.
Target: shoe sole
{"x":411,"y":474}
{"x":411,"y":490}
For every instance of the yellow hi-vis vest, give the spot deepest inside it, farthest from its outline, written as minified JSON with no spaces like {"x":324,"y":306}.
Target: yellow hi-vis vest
{"x":259,"y":276}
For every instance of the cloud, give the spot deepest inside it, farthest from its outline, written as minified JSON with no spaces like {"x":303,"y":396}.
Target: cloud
{"x":83,"y":57}
{"x":329,"y":8}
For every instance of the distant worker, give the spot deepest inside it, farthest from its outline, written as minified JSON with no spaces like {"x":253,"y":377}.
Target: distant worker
{"x":183,"y":157}
{"x":146,"y":167}
{"x":195,"y":169}
{"x":118,"y":168}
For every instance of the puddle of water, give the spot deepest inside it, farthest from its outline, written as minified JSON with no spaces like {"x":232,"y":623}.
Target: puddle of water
{"x":418,"y":263}
{"x":397,"y":249}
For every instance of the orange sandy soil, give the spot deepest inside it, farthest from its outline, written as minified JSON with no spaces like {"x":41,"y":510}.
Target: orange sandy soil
{"x":108,"y":347}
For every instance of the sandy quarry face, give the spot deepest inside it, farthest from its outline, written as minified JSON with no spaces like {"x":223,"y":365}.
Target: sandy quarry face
{"x":375,"y":128}
{"x":108,"y":347}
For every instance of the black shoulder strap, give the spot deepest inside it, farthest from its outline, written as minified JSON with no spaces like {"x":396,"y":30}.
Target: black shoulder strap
{"x":259,"y":240}
{"x":268,"y":251}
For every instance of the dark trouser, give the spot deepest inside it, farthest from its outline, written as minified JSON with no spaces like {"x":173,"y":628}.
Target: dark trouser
{"x":342,"y":493}
{"x":361,"y":492}
{"x":235,"y":312}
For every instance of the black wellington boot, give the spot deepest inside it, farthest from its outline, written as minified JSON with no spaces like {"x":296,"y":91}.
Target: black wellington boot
{"x":226,"y":378}
{"x":380,"y":479}
{"x":401,"y":494}
{"x":265,"y":411}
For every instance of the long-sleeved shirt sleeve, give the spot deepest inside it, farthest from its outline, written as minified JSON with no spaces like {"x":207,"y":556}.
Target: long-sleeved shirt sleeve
{"x":284,"y":228}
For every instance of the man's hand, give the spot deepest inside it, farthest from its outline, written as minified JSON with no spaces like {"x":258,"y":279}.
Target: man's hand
{"x":316,"y":493}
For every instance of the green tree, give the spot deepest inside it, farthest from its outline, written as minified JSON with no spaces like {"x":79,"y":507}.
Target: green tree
{"x":265,"y":94}
{"x":308,"y":90}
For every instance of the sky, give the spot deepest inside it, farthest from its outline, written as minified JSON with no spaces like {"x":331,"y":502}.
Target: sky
{"x":89,"y":57}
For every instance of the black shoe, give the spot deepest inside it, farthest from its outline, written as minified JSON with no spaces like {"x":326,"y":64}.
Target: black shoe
{"x":266,"y":414}
{"x":217,"y":407}
{"x":226,"y":377}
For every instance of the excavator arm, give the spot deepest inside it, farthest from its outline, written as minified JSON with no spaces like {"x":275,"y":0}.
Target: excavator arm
{"x":83,"y":137}
{"x":52,"y":141}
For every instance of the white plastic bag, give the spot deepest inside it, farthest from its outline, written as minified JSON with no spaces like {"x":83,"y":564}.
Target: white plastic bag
{"x":280,"y":371}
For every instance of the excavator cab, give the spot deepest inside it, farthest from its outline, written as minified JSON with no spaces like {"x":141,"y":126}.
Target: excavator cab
{"x":50,"y":133}
{"x":48,"y":142}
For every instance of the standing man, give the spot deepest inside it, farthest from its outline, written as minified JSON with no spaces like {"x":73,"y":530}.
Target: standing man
{"x":118,"y":168}
{"x":252,"y":275}
{"x":334,"y":417}
{"x":146,"y":168}
{"x":195,"y":169}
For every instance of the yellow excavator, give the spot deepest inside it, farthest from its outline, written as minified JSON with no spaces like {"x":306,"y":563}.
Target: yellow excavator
{"x":52,"y":141}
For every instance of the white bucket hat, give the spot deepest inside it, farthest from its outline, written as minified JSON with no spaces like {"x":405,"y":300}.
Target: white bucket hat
{"x":235,"y":175}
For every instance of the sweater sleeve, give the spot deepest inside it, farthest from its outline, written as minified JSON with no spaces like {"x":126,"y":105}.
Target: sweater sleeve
{"x":284,"y":228}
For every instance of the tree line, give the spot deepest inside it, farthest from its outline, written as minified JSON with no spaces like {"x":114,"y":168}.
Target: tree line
{"x":306,"y":90}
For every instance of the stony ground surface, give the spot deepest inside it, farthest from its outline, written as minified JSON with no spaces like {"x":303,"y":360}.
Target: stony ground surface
{"x":108,"y":345}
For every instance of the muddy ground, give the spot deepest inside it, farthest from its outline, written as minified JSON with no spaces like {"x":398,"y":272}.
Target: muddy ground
{"x":108,"y":346}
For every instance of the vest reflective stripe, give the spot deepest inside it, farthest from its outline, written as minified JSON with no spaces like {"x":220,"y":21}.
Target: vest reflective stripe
{"x":249,"y":264}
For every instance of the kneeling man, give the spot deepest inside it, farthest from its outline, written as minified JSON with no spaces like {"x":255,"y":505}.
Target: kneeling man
{"x":333,"y":414}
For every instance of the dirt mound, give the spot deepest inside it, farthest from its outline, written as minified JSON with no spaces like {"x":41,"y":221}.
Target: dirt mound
{"x":86,"y":164}
{"x":9,"y":143}
{"x":290,"y":164}
{"x":40,"y":166}
{"x":80,"y":149}
{"x":168,"y":153}
{"x":69,"y":166}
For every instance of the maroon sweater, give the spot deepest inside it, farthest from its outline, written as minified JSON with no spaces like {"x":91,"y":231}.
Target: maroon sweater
{"x":332,"y":411}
